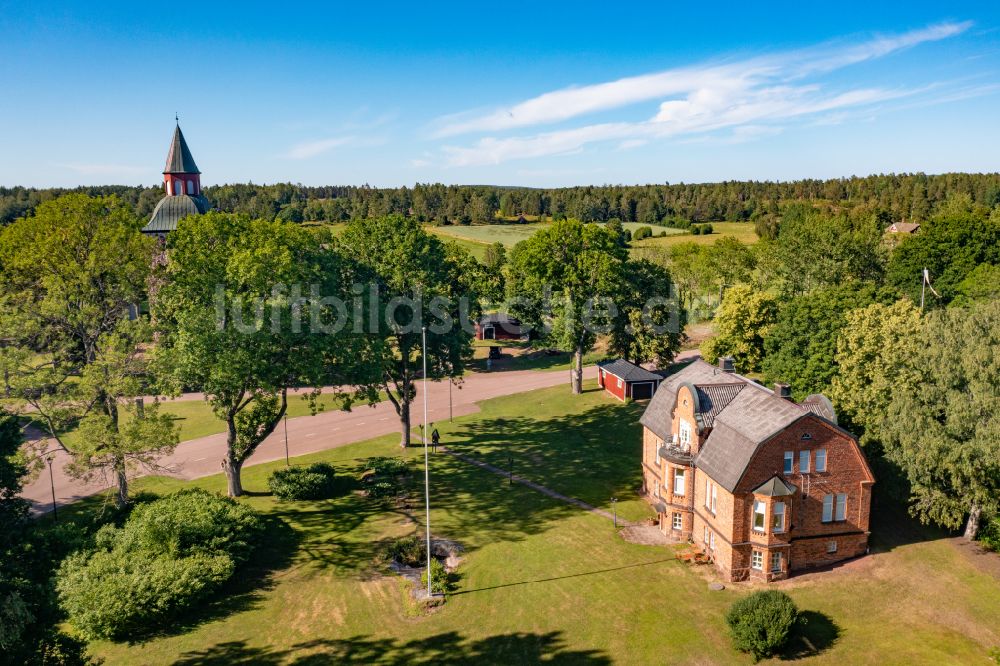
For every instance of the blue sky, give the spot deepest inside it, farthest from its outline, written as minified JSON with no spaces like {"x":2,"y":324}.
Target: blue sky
{"x":501,"y":93}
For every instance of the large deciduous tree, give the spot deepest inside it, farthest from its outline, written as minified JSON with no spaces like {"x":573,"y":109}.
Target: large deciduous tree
{"x":742,"y":324}
{"x":650,"y":321}
{"x":71,"y":279}
{"x":800,"y":349}
{"x":418,"y":281}
{"x":943,"y":428}
{"x":565,"y":280}
{"x":240,"y":318}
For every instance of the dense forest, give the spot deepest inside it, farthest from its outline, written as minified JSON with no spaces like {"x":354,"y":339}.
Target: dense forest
{"x":910,"y":197}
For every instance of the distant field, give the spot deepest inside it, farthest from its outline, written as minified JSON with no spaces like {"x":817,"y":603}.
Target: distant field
{"x":741,"y":231}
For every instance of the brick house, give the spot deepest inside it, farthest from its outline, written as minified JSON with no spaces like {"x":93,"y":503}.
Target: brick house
{"x":761,"y":483}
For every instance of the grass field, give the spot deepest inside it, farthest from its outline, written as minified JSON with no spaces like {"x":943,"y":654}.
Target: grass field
{"x":741,"y":231}
{"x":542,"y":581}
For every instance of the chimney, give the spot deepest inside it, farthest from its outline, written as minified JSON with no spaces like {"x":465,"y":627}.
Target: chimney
{"x":783,"y":390}
{"x":726,"y":364}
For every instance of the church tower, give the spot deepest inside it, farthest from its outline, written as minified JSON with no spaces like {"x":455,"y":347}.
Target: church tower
{"x":182,"y":184}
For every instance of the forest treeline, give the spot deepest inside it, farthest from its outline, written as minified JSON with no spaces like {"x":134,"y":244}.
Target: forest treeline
{"x":909,"y":197}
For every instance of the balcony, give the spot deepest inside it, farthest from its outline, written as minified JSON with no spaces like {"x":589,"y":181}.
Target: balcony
{"x":676,"y":453}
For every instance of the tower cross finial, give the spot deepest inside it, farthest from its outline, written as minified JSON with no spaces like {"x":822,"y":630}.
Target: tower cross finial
{"x":176,"y":119}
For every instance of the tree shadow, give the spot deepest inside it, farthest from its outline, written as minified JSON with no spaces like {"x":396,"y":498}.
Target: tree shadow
{"x":448,"y":648}
{"x":892,"y":526}
{"x":814,"y":633}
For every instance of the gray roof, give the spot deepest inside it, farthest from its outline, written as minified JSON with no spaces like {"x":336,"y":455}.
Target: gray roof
{"x":774,"y":487}
{"x":179,"y":159}
{"x":499,"y":319}
{"x":713,"y":398}
{"x":741,"y":413}
{"x":630,"y":372}
{"x":820,"y":405}
{"x":172,"y":209}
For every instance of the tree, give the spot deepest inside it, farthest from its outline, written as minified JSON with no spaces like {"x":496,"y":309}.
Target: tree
{"x":413,"y":272}
{"x":873,"y":346}
{"x":29,"y":615}
{"x":71,"y":277}
{"x":982,"y":284}
{"x":650,"y":319}
{"x":943,"y":428}
{"x":950,"y":246}
{"x":814,"y":249}
{"x":800,"y":349}
{"x":230,"y":318}
{"x":743,"y":322}
{"x":564,"y":280}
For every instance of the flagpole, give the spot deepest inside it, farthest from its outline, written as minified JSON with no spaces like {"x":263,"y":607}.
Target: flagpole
{"x":427,"y":477}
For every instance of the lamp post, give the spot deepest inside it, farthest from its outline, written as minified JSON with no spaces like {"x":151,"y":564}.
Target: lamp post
{"x":287,"y":464}
{"x":427,"y":476}
{"x":52,"y":483}
{"x":614,"y":508}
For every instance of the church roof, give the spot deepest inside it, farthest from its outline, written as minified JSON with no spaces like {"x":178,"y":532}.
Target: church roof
{"x":172,"y":209}
{"x":179,"y":159}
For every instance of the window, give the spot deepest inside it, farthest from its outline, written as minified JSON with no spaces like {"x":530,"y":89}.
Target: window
{"x":789,"y":462}
{"x":678,"y":521}
{"x":758,"y":516}
{"x":715,"y":496}
{"x":190,"y":187}
{"x":821,"y":460}
{"x":711,"y":540}
{"x":619,"y":383}
{"x":169,"y":188}
{"x":178,"y":188}
{"x":778,"y":517}
{"x":757,"y":559}
{"x":656,"y":488}
{"x":803,"y":462}
{"x":678,"y":482}
{"x":831,"y":546}
{"x":827,"y":508}
{"x":705,"y":537}
{"x":711,"y":495}
{"x":656,"y":451}
{"x":685,"y":434}
{"x":841,"y":506}
{"x":775,"y":561}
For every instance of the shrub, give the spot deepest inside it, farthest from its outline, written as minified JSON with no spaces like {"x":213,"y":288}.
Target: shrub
{"x":441,"y":580}
{"x":169,"y":555}
{"x":707,"y":229}
{"x":642,"y":232}
{"x":696,"y":229}
{"x":989,"y":535}
{"x":382,"y":489}
{"x":384,"y":466}
{"x":313,"y":482}
{"x":760,"y":623}
{"x":408,"y":550}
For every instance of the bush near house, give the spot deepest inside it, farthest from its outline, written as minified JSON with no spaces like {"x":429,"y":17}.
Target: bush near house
{"x":760,"y":623}
{"x":312,"y":482}
{"x":168,"y":555}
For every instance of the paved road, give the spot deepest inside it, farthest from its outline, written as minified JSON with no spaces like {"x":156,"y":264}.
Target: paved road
{"x":307,"y":434}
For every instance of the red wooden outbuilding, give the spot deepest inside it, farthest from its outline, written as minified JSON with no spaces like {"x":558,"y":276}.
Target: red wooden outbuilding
{"x":499,"y":326}
{"x":627,"y":381}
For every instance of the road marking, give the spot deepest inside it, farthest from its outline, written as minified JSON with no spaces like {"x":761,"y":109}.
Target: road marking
{"x":198,"y":459}
{"x":311,"y":434}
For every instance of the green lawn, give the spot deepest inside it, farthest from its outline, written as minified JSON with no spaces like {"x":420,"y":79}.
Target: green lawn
{"x":534,"y":358}
{"x":543,"y":581}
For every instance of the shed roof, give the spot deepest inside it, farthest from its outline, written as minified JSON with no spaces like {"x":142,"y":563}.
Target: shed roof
{"x":627,"y":371}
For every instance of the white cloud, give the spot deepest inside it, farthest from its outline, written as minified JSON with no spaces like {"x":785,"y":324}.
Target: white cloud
{"x":747,"y":97}
{"x":307,"y":149}
{"x":720,"y":79}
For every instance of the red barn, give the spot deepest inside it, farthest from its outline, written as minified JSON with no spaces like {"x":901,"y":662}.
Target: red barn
{"x":626,"y":380}
{"x":499,"y":326}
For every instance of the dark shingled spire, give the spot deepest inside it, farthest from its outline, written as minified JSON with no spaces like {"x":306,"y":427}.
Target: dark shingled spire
{"x":179,"y":159}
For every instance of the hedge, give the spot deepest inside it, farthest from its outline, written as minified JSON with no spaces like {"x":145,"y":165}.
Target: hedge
{"x":316,"y":481}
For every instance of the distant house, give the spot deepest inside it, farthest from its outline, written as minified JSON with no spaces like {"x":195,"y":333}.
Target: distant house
{"x":762,"y":484}
{"x":903,"y":228}
{"x":499,"y":326}
{"x":626,"y":380}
